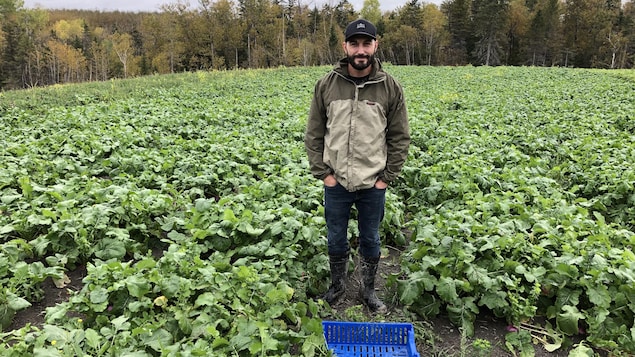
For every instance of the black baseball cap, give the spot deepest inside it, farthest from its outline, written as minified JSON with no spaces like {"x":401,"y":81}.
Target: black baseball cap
{"x":360,"y":27}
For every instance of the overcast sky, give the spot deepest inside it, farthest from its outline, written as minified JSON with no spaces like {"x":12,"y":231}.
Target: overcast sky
{"x":153,"y":5}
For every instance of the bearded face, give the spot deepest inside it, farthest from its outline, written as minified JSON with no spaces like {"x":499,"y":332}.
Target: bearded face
{"x":361,"y":62}
{"x":360,"y":52}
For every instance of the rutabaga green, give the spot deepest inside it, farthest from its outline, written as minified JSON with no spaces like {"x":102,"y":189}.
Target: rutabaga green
{"x":517,"y":200}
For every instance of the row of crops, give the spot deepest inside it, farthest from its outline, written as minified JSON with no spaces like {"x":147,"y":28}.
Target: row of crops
{"x":189,"y":201}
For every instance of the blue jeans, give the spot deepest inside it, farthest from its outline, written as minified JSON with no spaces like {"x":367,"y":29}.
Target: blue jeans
{"x":370,"y":211}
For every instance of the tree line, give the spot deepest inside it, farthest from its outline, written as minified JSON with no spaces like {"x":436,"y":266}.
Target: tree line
{"x":43,"y":47}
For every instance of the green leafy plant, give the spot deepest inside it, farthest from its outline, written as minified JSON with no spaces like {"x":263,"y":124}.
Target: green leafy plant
{"x":482,"y":347}
{"x":189,"y":200}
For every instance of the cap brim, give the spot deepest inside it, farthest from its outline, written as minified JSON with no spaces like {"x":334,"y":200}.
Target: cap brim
{"x":366,"y":34}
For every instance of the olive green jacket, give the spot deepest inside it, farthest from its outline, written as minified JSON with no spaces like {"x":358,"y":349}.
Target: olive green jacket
{"x":358,"y":133}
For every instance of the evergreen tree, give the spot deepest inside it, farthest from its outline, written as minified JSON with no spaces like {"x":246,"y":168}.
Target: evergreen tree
{"x":11,"y":55}
{"x":488,"y":17}
{"x":544,"y":46}
{"x":516,"y":28}
{"x":458,"y":13}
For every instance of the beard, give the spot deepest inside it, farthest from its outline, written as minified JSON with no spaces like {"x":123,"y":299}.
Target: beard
{"x":363,"y":65}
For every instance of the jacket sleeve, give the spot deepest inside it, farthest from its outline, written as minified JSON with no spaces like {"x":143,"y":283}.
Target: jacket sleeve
{"x":314,"y":135}
{"x":397,"y":137}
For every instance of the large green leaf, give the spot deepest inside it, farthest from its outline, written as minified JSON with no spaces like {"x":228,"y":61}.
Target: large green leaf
{"x":109,"y":248}
{"x":446,"y":288}
{"x":568,"y":320}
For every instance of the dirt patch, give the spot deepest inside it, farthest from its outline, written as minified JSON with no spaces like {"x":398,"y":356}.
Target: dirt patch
{"x":52,"y":296}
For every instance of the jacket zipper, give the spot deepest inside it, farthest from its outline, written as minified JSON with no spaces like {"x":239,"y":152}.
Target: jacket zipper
{"x":350,"y":132}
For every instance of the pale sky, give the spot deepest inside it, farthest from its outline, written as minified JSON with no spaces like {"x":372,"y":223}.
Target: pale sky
{"x":153,"y":5}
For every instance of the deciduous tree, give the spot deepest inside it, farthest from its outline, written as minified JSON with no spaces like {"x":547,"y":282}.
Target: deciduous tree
{"x":66,"y":63}
{"x":434,"y":33}
{"x":122,"y":46}
{"x":69,"y":31}
{"x":35,"y":24}
{"x":161,"y":42}
{"x":371,"y":11}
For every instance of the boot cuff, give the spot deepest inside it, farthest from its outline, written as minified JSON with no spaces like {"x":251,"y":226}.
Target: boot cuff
{"x":338,"y":258}
{"x":370,"y":260}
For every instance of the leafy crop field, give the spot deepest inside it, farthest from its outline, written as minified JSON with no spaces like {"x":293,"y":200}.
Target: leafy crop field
{"x":188,"y":199}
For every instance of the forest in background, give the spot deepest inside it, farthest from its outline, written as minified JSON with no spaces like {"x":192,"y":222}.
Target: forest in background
{"x":41,"y":47}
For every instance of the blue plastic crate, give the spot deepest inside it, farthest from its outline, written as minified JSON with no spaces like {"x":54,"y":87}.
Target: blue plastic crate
{"x":370,"y":339}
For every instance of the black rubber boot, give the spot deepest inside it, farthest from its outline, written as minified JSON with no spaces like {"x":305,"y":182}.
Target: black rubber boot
{"x":367,"y":288}
{"x":339,"y":268}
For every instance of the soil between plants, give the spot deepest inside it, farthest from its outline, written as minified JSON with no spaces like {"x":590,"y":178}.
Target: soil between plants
{"x":441,"y":337}
{"x":52,"y":296}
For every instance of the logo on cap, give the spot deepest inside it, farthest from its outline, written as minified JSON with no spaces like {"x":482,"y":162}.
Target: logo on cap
{"x":361,"y":25}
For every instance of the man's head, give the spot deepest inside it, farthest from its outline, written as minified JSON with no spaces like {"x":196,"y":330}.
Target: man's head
{"x":360,"y":44}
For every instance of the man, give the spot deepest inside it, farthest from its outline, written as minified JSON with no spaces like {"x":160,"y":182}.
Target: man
{"x":357,"y":140}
